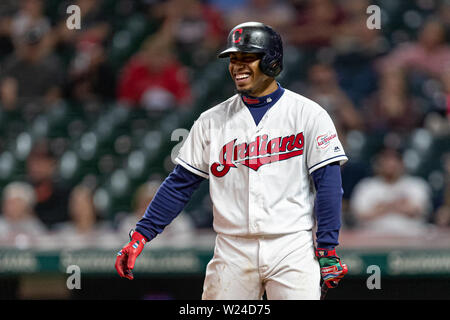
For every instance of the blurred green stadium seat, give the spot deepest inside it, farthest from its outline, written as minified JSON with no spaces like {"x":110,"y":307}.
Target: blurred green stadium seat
{"x":127,"y":40}
{"x":8,"y":167}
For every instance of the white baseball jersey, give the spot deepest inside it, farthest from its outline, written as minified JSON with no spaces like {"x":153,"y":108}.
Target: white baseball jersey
{"x":260,"y":174}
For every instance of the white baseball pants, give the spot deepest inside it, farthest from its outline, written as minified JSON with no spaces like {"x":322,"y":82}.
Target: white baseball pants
{"x":242,"y":268}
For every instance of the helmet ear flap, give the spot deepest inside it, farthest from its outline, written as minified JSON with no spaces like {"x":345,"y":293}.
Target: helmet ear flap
{"x":270,"y":65}
{"x":272,"y":62}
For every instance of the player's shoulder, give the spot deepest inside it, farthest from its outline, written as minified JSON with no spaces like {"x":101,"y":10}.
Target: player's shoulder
{"x":306,"y":104}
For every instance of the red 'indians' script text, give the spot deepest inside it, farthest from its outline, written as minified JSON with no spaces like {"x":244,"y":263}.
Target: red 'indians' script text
{"x":257,"y":153}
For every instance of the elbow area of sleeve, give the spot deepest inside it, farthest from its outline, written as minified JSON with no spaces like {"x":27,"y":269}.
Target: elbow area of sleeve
{"x":328,"y":204}
{"x":168,"y":202}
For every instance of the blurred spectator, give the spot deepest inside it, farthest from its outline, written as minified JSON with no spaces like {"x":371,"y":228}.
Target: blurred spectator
{"x":91,"y":78}
{"x":156,"y":12}
{"x":153,"y":78}
{"x":429,"y":55}
{"x":197,"y":30}
{"x":386,"y":108}
{"x":19,"y":225}
{"x":84,"y":229}
{"x":445,"y":79}
{"x":94,"y":26}
{"x":323,"y":87}
{"x":425,"y":64}
{"x":442,"y":215}
{"x":356,"y":48}
{"x":77,"y":47}
{"x":352,"y":173}
{"x":317,"y":24}
{"x":182,"y":229}
{"x":31,"y":79}
{"x":7,"y":10}
{"x":277,"y":14}
{"x":443,"y":11}
{"x":51,"y":195}
{"x":29,"y":72}
{"x":391,"y":202}
{"x":31,"y":16}
{"x":354,"y":35}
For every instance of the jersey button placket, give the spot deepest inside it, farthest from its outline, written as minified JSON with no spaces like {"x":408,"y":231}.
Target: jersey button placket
{"x":252,"y":203}
{"x":254,"y":194}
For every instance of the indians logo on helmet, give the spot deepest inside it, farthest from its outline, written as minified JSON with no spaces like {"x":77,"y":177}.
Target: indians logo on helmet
{"x":237,"y":39}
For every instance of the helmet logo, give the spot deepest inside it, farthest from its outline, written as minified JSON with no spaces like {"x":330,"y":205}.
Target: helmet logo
{"x":237,"y":38}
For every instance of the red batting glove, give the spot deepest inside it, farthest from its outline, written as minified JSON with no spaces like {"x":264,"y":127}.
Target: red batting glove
{"x":127,"y":256}
{"x":331,"y":267}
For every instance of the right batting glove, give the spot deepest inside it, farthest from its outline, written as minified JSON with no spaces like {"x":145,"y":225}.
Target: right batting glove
{"x":127,"y":256}
{"x":331,"y":267}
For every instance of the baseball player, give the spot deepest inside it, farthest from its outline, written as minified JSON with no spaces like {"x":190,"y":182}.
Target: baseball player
{"x":273,"y":160}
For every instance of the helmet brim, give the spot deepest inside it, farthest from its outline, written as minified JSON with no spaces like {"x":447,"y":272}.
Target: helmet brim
{"x":226,"y":53}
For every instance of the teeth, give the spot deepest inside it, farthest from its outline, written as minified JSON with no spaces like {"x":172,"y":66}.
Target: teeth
{"x":242,"y":76}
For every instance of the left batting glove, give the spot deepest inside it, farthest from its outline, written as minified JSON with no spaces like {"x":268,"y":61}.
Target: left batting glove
{"x":331,"y":267}
{"x":126,"y":257}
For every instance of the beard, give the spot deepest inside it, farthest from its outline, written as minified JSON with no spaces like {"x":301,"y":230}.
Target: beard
{"x":256,"y":87}
{"x":244,"y":92}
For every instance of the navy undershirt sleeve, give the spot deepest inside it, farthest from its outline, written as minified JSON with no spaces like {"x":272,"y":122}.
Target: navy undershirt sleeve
{"x":170,"y":199}
{"x":328,"y":204}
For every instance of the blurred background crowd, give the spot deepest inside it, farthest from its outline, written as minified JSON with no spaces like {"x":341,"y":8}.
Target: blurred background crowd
{"x":86,"y":116}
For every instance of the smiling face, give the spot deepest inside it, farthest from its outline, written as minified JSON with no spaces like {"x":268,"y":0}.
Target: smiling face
{"x":247,"y":75}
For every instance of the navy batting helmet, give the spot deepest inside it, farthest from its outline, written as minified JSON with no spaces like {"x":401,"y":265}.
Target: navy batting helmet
{"x":256,"y":37}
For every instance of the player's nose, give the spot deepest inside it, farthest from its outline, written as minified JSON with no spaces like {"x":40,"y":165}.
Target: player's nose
{"x":239,"y":66}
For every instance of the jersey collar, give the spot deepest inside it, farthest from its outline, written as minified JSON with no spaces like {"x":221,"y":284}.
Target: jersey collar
{"x":269,"y":99}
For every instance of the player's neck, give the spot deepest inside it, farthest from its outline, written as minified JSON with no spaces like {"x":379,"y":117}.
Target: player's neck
{"x":270,"y":88}
{"x":269,"y":99}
